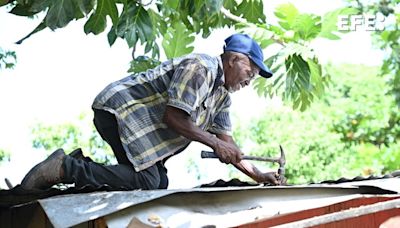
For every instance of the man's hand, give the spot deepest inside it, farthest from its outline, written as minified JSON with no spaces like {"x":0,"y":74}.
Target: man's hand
{"x":270,"y":177}
{"x":228,"y":152}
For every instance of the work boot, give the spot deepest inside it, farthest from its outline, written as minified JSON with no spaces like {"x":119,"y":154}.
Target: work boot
{"x":45,"y":174}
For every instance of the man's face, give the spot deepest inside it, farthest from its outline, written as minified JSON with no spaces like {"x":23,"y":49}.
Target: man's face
{"x":239,"y":73}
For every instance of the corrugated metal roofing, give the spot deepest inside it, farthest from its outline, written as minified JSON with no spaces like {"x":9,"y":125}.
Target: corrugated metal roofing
{"x":214,"y":204}
{"x":203,"y":205}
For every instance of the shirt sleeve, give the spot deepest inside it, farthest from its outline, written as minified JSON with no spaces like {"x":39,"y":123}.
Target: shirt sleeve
{"x":189,"y":86}
{"x":222,"y":121}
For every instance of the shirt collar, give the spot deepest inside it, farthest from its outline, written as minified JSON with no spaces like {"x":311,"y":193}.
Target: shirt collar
{"x":220,"y":73}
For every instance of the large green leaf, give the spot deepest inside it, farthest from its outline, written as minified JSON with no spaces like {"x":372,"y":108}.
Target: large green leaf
{"x":307,"y":26}
{"x":158,"y":23}
{"x":60,"y":14}
{"x":230,"y":5}
{"x":85,"y":6}
{"x":316,"y":76}
{"x":40,"y":5}
{"x":177,"y":40}
{"x":172,"y":3}
{"x":298,"y":73}
{"x":135,"y":23}
{"x":287,"y":14}
{"x":97,"y":21}
{"x":30,"y":8}
{"x":252,"y":10}
{"x":329,"y":27}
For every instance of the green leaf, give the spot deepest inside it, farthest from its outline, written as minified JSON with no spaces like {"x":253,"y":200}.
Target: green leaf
{"x":158,"y":23}
{"x":316,"y":76}
{"x":60,"y":13}
{"x":142,"y":63}
{"x":85,"y":6}
{"x":134,"y":24}
{"x":260,"y":34}
{"x":230,"y":5}
{"x":297,"y":80}
{"x":287,"y":14}
{"x":252,"y":10}
{"x":307,"y":26}
{"x":97,"y":21}
{"x":30,"y":8}
{"x":172,"y":3}
{"x":40,"y":5}
{"x":111,"y":36}
{"x":212,"y":7}
{"x":259,"y":85}
{"x":329,"y":27}
{"x":177,"y":40}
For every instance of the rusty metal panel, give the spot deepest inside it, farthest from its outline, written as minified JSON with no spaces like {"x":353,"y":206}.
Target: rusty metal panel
{"x":300,"y":215}
{"x":364,"y":216}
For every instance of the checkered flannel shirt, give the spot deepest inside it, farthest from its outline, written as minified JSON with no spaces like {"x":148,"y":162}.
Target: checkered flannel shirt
{"x":192,"y":83}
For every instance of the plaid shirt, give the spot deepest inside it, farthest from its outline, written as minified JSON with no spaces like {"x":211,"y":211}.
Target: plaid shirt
{"x":192,"y":83}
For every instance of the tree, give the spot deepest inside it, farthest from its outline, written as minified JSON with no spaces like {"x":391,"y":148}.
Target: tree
{"x":70,"y":136}
{"x":387,"y":40}
{"x":299,"y":75}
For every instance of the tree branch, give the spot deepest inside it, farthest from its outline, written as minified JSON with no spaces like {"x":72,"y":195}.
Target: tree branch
{"x":145,"y":4}
{"x":238,"y":19}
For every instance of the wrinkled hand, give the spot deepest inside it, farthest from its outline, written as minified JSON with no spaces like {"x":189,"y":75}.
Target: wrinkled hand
{"x":270,"y":177}
{"x":228,"y":152}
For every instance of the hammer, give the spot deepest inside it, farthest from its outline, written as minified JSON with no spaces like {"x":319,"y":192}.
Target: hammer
{"x":281,"y":161}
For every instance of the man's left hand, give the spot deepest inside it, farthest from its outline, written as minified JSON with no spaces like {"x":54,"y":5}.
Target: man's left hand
{"x":270,"y":177}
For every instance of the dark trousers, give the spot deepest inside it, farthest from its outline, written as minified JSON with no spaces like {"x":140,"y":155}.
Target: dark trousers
{"x":117,"y":177}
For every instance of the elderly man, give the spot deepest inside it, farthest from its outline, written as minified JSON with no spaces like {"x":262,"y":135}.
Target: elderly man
{"x":150,"y":116}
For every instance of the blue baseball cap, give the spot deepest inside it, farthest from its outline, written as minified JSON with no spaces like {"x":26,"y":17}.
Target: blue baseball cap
{"x":242,"y":43}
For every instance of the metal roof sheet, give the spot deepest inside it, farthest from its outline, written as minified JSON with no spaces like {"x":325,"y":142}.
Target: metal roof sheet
{"x":197,"y":204}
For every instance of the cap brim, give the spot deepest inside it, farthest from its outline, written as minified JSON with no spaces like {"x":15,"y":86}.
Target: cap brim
{"x":264,"y":70}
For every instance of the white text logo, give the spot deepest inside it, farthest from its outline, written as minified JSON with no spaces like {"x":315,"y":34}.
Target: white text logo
{"x":360,"y":22}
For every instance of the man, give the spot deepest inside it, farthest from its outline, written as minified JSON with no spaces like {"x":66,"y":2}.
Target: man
{"x":150,"y":116}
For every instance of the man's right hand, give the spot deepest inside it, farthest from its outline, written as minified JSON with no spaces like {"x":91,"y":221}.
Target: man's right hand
{"x":228,"y":153}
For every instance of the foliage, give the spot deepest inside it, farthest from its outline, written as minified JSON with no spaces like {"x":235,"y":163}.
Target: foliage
{"x":387,"y":40}
{"x":7,"y":59}
{"x":70,"y":136}
{"x":312,"y":151}
{"x":368,"y":115}
{"x":299,"y":75}
{"x":344,"y":134}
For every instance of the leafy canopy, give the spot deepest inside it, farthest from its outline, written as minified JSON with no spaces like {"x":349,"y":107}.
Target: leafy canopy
{"x":299,"y":77}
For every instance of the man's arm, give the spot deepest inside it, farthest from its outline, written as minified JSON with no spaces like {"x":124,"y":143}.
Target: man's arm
{"x":180,"y":121}
{"x":249,"y":169}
